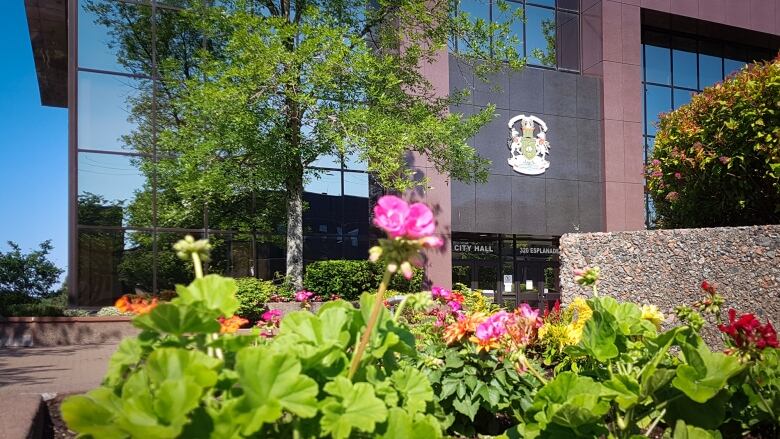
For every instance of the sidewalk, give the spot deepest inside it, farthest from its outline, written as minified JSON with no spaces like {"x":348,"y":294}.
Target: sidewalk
{"x":26,"y":373}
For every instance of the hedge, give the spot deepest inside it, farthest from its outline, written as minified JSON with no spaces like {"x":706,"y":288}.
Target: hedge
{"x":349,"y":279}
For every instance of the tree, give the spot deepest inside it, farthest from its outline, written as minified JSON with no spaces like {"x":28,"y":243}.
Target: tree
{"x":31,"y":274}
{"x":716,"y":160}
{"x":281,"y":83}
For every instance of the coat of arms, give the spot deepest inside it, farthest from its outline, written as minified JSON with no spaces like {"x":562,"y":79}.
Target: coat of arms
{"x":528,"y":152}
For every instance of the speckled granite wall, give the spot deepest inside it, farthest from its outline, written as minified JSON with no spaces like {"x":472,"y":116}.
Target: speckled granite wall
{"x":665,"y":267}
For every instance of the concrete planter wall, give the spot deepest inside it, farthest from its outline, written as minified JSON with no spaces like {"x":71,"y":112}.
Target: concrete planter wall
{"x":59,"y":331}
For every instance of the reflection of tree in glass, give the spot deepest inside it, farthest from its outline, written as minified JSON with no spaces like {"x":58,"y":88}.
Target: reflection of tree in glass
{"x":547,"y":57}
{"x":276,"y":86}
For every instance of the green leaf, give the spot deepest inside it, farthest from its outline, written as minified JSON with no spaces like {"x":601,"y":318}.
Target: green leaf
{"x":213,"y":291}
{"x":625,"y":390}
{"x":128,"y":354}
{"x":414,"y":387}
{"x":352,"y":406}
{"x":599,"y":335}
{"x":271,"y":382}
{"x":683,"y":431}
{"x":175,"y":364}
{"x":709,"y":375}
{"x":175,"y":399}
{"x":468,"y":408}
{"x":709,"y":415}
{"x":177,"y":320}
{"x":93,"y":414}
{"x":402,"y":426}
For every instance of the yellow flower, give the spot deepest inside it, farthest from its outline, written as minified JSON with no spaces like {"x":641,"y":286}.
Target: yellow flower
{"x":580,"y":313}
{"x":653,"y":315}
{"x":485,"y":345}
{"x":543,"y":330}
{"x":464,"y":326}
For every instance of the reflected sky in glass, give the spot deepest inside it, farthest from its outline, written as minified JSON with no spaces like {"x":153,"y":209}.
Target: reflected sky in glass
{"x":95,"y":51}
{"x":356,"y":184}
{"x":710,"y":70}
{"x":658,"y":67}
{"x":106,"y":103}
{"x":325,"y":183}
{"x":114,"y":177}
{"x":536,"y":18}
{"x":658,"y":100}
{"x":684,"y":69}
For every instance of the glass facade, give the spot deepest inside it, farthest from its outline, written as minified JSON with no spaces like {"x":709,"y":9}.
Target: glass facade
{"x":511,"y":268}
{"x":677,"y":65}
{"x":129,"y":211}
{"x":549,"y":30}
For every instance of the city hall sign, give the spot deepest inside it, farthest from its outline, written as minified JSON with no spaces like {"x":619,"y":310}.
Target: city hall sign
{"x":528,"y":151}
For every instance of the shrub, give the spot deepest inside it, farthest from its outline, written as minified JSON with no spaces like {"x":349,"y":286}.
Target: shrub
{"x":31,"y":273}
{"x":349,"y":279}
{"x":110,"y":311}
{"x":716,"y":161}
{"x":33,"y":310}
{"x":252,"y":293}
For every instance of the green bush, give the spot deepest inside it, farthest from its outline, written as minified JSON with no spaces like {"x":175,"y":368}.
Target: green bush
{"x":349,"y":279}
{"x":716,"y":161}
{"x":252,"y":293}
{"x":33,"y":310}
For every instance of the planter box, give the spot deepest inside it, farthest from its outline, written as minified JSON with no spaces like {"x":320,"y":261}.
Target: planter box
{"x":288,"y":307}
{"x":61,"y":331}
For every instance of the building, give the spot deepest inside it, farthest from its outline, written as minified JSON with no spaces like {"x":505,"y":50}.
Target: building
{"x":599,"y":73}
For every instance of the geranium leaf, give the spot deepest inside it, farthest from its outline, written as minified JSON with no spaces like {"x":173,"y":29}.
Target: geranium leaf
{"x":414,"y":388}
{"x":705,"y":381}
{"x":352,"y":406}
{"x":175,"y":319}
{"x":214,"y":292}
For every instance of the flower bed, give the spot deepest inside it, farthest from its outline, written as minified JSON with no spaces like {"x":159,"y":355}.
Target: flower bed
{"x":440,"y":363}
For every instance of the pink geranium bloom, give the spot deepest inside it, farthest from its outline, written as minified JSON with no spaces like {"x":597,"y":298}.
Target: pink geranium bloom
{"x":493,"y":327}
{"x":528,"y":313}
{"x":419,"y":221}
{"x":431,"y":241}
{"x":390,"y":215}
{"x":441,"y":293}
{"x":303,"y":295}
{"x":272,"y":315}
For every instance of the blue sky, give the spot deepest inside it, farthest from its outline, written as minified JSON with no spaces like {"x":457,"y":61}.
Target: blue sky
{"x":34,"y":143}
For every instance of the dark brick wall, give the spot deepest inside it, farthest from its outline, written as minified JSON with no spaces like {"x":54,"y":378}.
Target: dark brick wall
{"x":569,"y":195}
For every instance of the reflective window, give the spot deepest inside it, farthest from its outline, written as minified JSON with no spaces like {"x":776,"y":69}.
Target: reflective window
{"x":657,"y":100}
{"x":115,"y":36}
{"x":540,"y":36}
{"x":356,"y":184}
{"x":548,"y":33}
{"x":114,"y":190}
{"x":682,"y":97}
{"x":325,"y":183}
{"x":710,"y":70}
{"x":684,"y":68}
{"x":113,"y":113}
{"x":657,"y":64}
{"x":731,"y":65}
{"x":112,"y":263}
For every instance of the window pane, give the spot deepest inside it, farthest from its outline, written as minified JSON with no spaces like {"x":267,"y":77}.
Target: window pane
{"x":113,"y":190}
{"x":568,"y":34}
{"x":657,"y":64}
{"x":115,"y":36}
{"x":550,"y":3}
{"x":658,"y":100}
{"x":649,"y":145}
{"x":324,"y":183}
{"x":569,"y":4}
{"x":270,"y":256}
{"x":476,"y":10}
{"x":540,"y":36}
{"x":318,"y":248}
{"x":682,"y":97}
{"x":327,"y":161}
{"x":113,"y":113}
{"x":684,"y":68}
{"x":513,"y":13}
{"x":353,"y":161}
{"x":176,"y":43}
{"x":113,"y":263}
{"x":731,"y":65}
{"x":356,"y":184}
{"x":710,"y":70}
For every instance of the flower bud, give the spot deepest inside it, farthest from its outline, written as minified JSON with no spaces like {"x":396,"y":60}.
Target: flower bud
{"x":374,"y":253}
{"x":406,"y":269}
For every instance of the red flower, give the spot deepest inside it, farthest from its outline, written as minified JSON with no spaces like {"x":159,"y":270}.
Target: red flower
{"x":747,"y":331}
{"x":231,"y":325}
{"x":708,"y":287}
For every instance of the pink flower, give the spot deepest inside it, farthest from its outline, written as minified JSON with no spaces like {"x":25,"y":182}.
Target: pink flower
{"x":528,"y":313}
{"x":431,"y":241}
{"x":678,"y":176}
{"x":419,"y":221}
{"x":303,"y":296}
{"x":272,"y":316}
{"x":390,"y":215}
{"x":672,"y":196}
{"x":406,"y":270}
{"x":494,"y":327}
{"x":657,"y":174}
{"x":725,"y":160}
{"x":656,"y":162}
{"x":455,"y":306}
{"x":441,"y":293}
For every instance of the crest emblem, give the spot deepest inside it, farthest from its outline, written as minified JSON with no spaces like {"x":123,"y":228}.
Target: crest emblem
{"x":528,"y":151}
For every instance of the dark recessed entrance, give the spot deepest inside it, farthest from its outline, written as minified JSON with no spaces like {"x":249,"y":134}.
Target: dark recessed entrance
{"x":511,"y":268}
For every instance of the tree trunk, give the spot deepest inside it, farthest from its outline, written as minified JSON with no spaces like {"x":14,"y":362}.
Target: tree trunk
{"x":295,"y":232}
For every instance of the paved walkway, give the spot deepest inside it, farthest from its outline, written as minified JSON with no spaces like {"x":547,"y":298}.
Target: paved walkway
{"x":59,"y":369}
{"x":26,"y":373}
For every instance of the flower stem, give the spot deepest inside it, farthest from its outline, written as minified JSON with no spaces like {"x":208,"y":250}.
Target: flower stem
{"x":378,"y":304}
{"x":400,"y":309}
{"x":534,"y":372}
{"x":197,"y":264}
